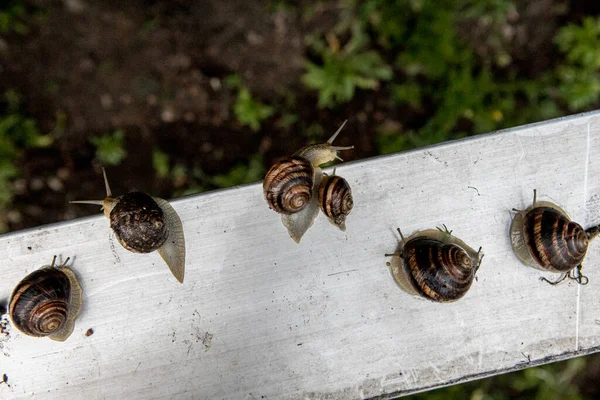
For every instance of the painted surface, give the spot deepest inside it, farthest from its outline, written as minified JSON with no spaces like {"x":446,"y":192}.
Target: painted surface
{"x":260,"y":316}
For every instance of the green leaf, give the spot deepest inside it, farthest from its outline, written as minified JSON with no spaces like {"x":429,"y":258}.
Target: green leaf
{"x":110,"y":148}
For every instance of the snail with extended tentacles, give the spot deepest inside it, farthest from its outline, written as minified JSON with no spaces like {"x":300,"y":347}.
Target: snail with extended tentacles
{"x":142,"y":224}
{"x":435,"y":265}
{"x":544,"y":237}
{"x":292,"y":187}
{"x":46,"y":302}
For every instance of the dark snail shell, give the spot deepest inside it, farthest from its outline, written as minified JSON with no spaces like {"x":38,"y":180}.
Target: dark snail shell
{"x":139,"y":223}
{"x":288,"y":185}
{"x":544,"y":237}
{"x":46,"y":303}
{"x":435,"y":265}
{"x":335,"y":199}
{"x":143,"y":224}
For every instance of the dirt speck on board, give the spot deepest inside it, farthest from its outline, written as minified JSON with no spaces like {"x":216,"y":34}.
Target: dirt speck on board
{"x":206,"y":340}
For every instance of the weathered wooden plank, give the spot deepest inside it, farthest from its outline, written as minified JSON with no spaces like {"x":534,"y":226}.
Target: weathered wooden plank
{"x":262,"y":317}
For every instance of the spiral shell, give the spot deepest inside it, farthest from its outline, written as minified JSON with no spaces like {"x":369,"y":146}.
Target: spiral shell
{"x":46,"y":303}
{"x":335,"y":199}
{"x":435,"y":265}
{"x":544,"y":237}
{"x":288,"y":185}
{"x":139,"y":223}
{"x":142,"y":224}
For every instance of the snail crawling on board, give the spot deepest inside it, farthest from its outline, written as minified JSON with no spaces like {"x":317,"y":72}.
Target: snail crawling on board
{"x":46,"y":302}
{"x":296,"y":188}
{"x":544,"y":237}
{"x":142,"y":224}
{"x":435,"y":265}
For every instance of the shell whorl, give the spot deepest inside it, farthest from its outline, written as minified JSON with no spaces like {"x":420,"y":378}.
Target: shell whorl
{"x":335,"y":199}
{"x":288,"y":185}
{"x":437,"y":271}
{"x":138,"y":223}
{"x":40,"y":304}
{"x":554,"y":242}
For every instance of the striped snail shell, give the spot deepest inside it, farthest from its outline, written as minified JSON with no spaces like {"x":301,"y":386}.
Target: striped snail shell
{"x":143,"y":224}
{"x":335,"y":199}
{"x":288,"y":185}
{"x":435,"y":265}
{"x":291,"y":185}
{"x":544,"y":237}
{"x":46,"y":302}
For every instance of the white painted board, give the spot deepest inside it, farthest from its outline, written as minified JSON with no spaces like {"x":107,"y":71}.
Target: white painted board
{"x":261,"y":317}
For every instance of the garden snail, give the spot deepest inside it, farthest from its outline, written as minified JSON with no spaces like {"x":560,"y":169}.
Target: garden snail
{"x":142,"y":224}
{"x":544,"y":237}
{"x":435,"y":265}
{"x":46,"y":302}
{"x":335,"y":199}
{"x":291,"y":186}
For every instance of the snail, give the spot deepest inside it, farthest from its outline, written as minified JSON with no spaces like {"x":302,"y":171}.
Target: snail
{"x":435,"y":265}
{"x":335,"y":199}
{"x":291,"y":186}
{"x":46,"y":302}
{"x":544,"y":237}
{"x":142,"y":224}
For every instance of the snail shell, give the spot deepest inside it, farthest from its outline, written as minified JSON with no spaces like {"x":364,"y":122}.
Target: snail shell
{"x":46,"y":302}
{"x":142,"y":224}
{"x":435,"y":265}
{"x":335,"y":199}
{"x":291,"y":185}
{"x":288,"y":185}
{"x":544,"y":237}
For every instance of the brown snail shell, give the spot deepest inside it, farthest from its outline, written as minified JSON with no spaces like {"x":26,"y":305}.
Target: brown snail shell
{"x":335,"y":199}
{"x":544,"y":237}
{"x":288,"y":185}
{"x":46,"y":302}
{"x":291,"y":185}
{"x":142,"y":224}
{"x":435,"y":265}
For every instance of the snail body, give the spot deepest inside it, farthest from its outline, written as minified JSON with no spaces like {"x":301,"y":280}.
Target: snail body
{"x":291,"y":186}
{"x":46,"y":302}
{"x":142,"y":224}
{"x":544,"y":237}
{"x":435,"y":265}
{"x":335,"y":199}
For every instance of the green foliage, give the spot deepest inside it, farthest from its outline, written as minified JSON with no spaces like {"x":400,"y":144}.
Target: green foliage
{"x":249,"y":111}
{"x":345,"y":70}
{"x":579,"y":82}
{"x":12,"y":14}
{"x":160,"y":162}
{"x":110,"y":148}
{"x":548,"y":382}
{"x":17,"y":134}
{"x":241,"y":173}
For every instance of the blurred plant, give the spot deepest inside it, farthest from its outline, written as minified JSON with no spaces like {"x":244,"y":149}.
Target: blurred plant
{"x":344,"y":70}
{"x":579,"y":81}
{"x":253,"y":171}
{"x":110,"y":148}
{"x":12,"y":14}
{"x":17,"y":134}
{"x":160,"y":162}
{"x":548,"y":382}
{"x":248,"y":111}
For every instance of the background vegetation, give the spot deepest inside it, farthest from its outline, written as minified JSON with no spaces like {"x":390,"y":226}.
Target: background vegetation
{"x":175,"y":107}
